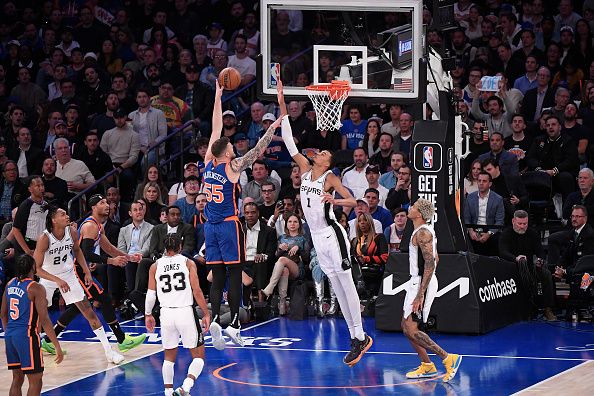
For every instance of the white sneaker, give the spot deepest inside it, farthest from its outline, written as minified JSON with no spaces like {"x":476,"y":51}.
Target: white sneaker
{"x":217,"y":336}
{"x":114,"y":357}
{"x":235,"y":335}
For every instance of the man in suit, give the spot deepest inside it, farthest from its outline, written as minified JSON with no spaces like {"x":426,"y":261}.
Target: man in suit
{"x":260,"y":247}
{"x":484,"y":208}
{"x":508,"y":162}
{"x":520,"y":244}
{"x":581,"y":242}
{"x":173,"y":225}
{"x":28,"y":158}
{"x":538,"y":98}
{"x":133,"y":238}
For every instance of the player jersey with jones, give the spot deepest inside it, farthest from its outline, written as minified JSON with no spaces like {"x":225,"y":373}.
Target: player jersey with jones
{"x":173,"y":282}
{"x":22,"y":314}
{"x":311,"y":192}
{"x":416,"y":261}
{"x":221,"y":194}
{"x":57,"y":259}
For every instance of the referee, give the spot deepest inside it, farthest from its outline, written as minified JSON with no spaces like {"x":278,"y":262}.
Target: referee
{"x":29,"y":221}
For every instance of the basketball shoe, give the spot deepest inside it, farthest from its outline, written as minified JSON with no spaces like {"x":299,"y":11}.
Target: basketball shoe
{"x":49,"y":347}
{"x":217,"y":336}
{"x":425,"y":370}
{"x":114,"y":357}
{"x":358,"y":348}
{"x":235,"y":334}
{"x":452,"y":364}
{"x":131,"y":342}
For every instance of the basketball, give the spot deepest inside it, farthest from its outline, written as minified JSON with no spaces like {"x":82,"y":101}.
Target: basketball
{"x":229,"y":78}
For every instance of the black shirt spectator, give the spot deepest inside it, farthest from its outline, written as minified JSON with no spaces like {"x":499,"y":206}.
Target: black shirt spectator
{"x":56,"y":189}
{"x":29,"y":221}
{"x":557,"y":155}
{"x":96,"y":159}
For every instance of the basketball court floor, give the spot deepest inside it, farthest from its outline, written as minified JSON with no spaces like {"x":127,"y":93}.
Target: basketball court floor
{"x":284,"y":357}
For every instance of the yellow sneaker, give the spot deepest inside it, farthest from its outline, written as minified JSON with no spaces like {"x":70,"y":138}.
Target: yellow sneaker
{"x":425,"y":370}
{"x":452,"y":364}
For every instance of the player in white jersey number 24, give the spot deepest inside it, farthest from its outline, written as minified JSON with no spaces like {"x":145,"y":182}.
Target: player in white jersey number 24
{"x":421,"y":290}
{"x":318,"y":185}
{"x":174,"y":280}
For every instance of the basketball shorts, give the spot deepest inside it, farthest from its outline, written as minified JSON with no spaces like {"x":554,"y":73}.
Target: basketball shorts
{"x":184,"y":322}
{"x":411,"y":292}
{"x":94,"y":290}
{"x":332,"y":248}
{"x":74,"y":295}
{"x":224,"y":242}
{"x":23,"y":351}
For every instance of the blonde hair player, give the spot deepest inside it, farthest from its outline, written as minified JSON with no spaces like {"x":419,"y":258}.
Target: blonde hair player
{"x":330,"y":240}
{"x":174,"y":280}
{"x":420,"y":293}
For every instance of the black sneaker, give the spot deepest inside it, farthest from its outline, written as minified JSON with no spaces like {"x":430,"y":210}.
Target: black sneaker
{"x":358,"y":348}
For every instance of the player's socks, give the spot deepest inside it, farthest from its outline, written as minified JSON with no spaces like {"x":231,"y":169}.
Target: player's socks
{"x":168,"y":392}
{"x":100,"y":333}
{"x":117,"y":331}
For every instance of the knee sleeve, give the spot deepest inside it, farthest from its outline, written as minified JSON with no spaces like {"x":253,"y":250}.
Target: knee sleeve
{"x":167,"y":371}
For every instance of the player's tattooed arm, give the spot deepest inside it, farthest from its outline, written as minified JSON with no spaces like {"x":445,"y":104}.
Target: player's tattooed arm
{"x":426,"y":342}
{"x":238,"y":165}
{"x":425,"y":243}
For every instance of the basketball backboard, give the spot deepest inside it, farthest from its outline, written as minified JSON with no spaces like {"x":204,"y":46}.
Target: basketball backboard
{"x":377,"y":45}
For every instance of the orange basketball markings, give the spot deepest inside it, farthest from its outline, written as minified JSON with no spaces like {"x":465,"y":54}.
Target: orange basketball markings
{"x":217,"y":374}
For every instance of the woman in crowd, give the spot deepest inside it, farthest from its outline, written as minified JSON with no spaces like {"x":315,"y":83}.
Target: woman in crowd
{"x":371,"y":252}
{"x":473,"y":24}
{"x":158,"y":42}
{"x":471,"y":179}
{"x":570,"y":76}
{"x":125,"y":41}
{"x":108,"y":58}
{"x":152,"y":195}
{"x":292,"y":251}
{"x":371,"y":139}
{"x":152,"y":175}
{"x":395,"y":231}
{"x":584,"y":41}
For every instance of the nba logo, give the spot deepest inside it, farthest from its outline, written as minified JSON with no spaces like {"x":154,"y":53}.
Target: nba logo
{"x":274,"y":73}
{"x":427,"y":157}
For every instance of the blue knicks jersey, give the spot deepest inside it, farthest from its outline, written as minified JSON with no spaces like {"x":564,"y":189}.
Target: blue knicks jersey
{"x":222,"y":195}
{"x":22,"y":315}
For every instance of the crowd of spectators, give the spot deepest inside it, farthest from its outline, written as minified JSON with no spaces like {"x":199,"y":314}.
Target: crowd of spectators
{"x":87,"y":90}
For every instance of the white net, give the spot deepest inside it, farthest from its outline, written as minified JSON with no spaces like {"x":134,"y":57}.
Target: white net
{"x":327,"y":101}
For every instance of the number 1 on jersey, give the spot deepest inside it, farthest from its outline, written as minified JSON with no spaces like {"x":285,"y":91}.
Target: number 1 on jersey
{"x":308,"y":203}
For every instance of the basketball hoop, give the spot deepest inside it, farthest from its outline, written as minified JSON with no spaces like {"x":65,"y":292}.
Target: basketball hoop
{"x":327,"y":100}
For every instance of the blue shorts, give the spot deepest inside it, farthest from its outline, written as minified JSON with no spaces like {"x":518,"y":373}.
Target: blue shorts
{"x":23,"y":351}
{"x":224,"y":242}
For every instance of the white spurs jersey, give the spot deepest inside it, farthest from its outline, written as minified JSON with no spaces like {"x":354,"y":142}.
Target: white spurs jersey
{"x":173,"y":282}
{"x":317,"y":214}
{"x":416,"y":261}
{"x":58,"y":259}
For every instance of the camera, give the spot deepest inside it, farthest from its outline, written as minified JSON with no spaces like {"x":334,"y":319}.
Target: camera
{"x":280,"y":205}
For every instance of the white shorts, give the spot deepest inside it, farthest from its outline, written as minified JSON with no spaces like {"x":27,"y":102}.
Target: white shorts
{"x":74,"y":295}
{"x":332,"y":247}
{"x":411,"y":292}
{"x":180,"y":321}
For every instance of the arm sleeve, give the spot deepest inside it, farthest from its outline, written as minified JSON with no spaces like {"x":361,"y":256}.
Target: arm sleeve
{"x":87,"y":245}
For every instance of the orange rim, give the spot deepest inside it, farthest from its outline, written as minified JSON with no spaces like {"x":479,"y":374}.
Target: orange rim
{"x":335,"y":89}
